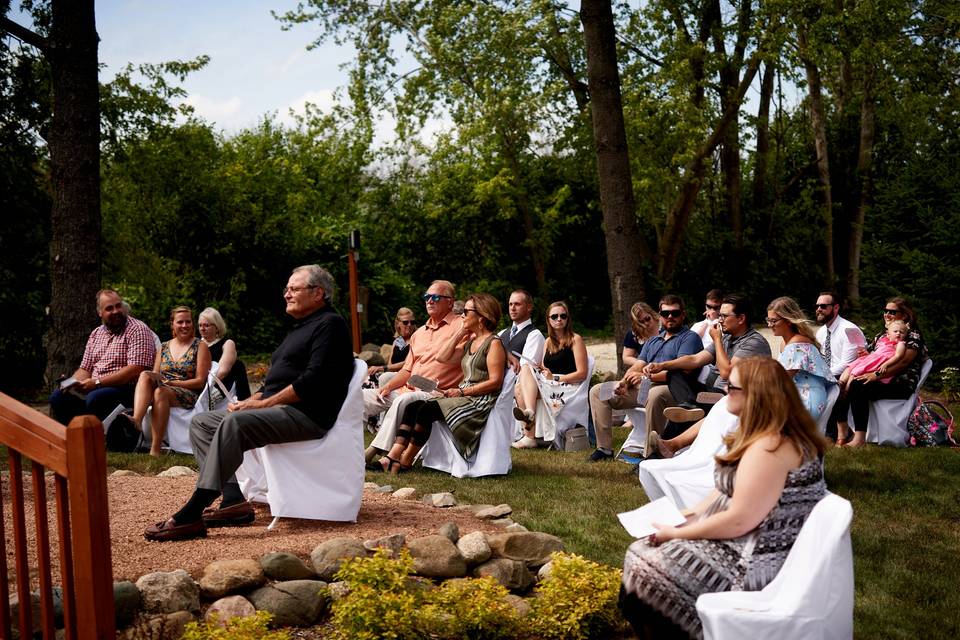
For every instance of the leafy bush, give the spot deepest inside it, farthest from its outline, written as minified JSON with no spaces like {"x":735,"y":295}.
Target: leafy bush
{"x":475,"y":609}
{"x":247,"y":628}
{"x":578,"y":600}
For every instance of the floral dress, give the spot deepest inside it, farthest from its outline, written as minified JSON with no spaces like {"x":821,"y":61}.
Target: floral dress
{"x":812,"y":375}
{"x":182,"y":368}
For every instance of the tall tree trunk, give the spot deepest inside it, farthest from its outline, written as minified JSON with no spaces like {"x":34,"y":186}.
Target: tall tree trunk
{"x":75,"y":176}
{"x":763,"y":139}
{"x":865,"y":177}
{"x":627,"y":251}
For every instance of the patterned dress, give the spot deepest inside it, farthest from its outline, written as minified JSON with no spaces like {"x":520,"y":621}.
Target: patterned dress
{"x":669,"y":578}
{"x":467,"y":416}
{"x":553,"y":396}
{"x":812,"y":375}
{"x":183,"y":368}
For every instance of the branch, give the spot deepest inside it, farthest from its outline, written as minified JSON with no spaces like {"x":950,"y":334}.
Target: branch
{"x":23,"y":34}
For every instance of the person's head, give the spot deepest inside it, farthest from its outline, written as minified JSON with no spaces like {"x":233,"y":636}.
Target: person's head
{"x":308,"y":289}
{"x":644,"y":321}
{"x":404,"y":324}
{"x":520,"y":306}
{"x":734,"y":314}
{"x":481,"y":310}
{"x":458,"y":307}
{"x":672,"y":315}
{"x":897,"y":330}
{"x":766,"y":400}
{"x":898,"y":308}
{"x":439,"y":299}
{"x":828,"y":307}
{"x":110,"y":309}
{"x":211,"y":324}
{"x":786,"y":319}
{"x":711,"y":307}
{"x":181,"y":323}
{"x":559,"y":326}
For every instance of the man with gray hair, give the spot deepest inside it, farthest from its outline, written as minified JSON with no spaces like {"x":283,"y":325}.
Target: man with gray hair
{"x":300,"y":400}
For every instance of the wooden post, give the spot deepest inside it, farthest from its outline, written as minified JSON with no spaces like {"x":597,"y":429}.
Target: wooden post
{"x":353,"y":256}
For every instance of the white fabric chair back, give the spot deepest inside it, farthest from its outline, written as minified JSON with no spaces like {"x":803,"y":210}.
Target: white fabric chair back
{"x":832,"y":394}
{"x":178,"y":424}
{"x":316,"y":479}
{"x":888,"y":418}
{"x":575,"y":411}
{"x":492,"y":456}
{"x":637,"y":438}
{"x":812,"y":595}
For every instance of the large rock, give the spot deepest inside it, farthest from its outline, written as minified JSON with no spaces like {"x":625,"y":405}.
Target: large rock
{"x":533,"y":547}
{"x":166,"y":592}
{"x":165,"y":626}
{"x":437,"y":557}
{"x":444,"y":499}
{"x":223,"y":577}
{"x":120,"y":473}
{"x":393,"y":543}
{"x":492,"y":513}
{"x":512,"y":574}
{"x":294,"y":603}
{"x":285,"y":566}
{"x":225,"y":609}
{"x":474,"y":548}
{"x":126,"y":603}
{"x":328,"y":556}
{"x":177,"y":472}
{"x":521,"y":606}
{"x":406,"y":493}
{"x":450,"y":530}
{"x":372,"y":358}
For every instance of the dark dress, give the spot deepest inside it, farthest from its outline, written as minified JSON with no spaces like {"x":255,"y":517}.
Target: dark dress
{"x":237,"y":375}
{"x":400,"y":350}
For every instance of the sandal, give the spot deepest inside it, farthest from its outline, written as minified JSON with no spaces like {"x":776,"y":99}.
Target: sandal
{"x":377,"y":465}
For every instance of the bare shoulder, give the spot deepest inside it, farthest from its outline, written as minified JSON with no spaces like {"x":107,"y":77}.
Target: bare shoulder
{"x":775,"y":448}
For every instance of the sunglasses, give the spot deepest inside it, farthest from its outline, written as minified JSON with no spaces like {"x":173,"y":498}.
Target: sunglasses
{"x":824,"y":306}
{"x":434,"y":297}
{"x":466,"y":311}
{"x":713,"y":307}
{"x":558,"y":316}
{"x":407,"y":323}
{"x":670,"y":313}
{"x":891,"y":312}
{"x":733,"y":387}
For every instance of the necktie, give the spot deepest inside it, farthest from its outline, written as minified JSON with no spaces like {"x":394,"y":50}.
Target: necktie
{"x":826,"y":348}
{"x":513,"y":332}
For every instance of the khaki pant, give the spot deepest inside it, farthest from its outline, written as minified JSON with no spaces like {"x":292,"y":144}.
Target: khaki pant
{"x":658,"y":399}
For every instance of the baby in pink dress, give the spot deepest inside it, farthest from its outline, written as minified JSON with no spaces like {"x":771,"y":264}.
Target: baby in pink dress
{"x":890,"y":349}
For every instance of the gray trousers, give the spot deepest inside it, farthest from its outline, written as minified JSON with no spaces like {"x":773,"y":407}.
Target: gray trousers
{"x":219,"y":438}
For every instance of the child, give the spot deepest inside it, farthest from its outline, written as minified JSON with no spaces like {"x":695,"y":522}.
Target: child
{"x":889,"y":351}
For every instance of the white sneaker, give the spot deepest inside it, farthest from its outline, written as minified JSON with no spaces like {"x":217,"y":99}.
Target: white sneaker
{"x":526,"y":442}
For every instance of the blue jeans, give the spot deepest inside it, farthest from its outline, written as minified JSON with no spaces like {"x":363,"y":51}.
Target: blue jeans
{"x":65,"y":406}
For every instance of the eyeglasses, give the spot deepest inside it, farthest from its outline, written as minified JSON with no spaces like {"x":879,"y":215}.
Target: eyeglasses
{"x":407,"y":323}
{"x":891,"y":312}
{"x":713,"y":307}
{"x":732,"y":387}
{"x":773,"y":321}
{"x":296,"y":290}
{"x":670,"y":313}
{"x":558,"y":316}
{"x":434,"y":297}
{"x":824,"y":306}
{"x":724,"y":316}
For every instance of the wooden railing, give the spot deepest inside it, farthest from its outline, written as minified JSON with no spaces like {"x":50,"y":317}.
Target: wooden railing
{"x":76,"y":456}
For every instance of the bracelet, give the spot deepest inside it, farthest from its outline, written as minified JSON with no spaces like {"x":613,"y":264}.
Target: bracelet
{"x":462,"y":394}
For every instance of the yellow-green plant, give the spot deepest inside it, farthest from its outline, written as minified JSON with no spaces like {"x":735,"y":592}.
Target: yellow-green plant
{"x":253,"y":627}
{"x":950,"y":379}
{"x":578,"y":600}
{"x":475,"y":609}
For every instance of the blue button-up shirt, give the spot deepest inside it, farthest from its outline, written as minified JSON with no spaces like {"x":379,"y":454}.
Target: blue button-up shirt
{"x":659,"y":349}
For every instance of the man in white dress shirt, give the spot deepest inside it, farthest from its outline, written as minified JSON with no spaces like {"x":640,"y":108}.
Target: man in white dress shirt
{"x":521,"y":337}
{"x":835,"y":341}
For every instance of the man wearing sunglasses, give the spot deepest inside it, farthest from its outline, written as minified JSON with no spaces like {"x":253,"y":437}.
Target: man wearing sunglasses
{"x":673,"y":341}
{"x":425,"y":344}
{"x":839,"y":349}
{"x":521,"y":336}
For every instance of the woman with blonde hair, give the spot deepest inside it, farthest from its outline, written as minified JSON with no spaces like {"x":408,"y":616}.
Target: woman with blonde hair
{"x":543,"y":388}
{"x":737,"y":538}
{"x":404,"y":324}
{"x":230,"y":370}
{"x":644,"y":324}
{"x":801,"y":353}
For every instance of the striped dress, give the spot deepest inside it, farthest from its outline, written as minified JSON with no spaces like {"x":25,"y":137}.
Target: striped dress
{"x":467,"y":416}
{"x":670,"y":577}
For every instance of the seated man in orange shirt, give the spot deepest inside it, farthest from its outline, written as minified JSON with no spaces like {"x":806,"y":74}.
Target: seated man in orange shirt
{"x":425,"y":344}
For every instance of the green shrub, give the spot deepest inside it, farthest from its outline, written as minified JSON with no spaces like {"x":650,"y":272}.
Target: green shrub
{"x":578,"y":600}
{"x":247,"y":628}
{"x":475,"y":609}
{"x":950,"y":383}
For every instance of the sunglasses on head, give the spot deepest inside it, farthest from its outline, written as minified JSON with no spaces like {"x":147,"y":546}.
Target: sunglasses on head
{"x":407,"y":323}
{"x":434,"y":297}
{"x":713,"y":307}
{"x":891,"y":312}
{"x":670,"y":313}
{"x":558,"y":316}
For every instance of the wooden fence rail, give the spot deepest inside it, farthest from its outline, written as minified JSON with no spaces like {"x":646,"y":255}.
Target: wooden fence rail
{"x":76,"y":456}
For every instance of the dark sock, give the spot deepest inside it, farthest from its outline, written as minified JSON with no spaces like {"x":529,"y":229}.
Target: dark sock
{"x":231,"y":495}
{"x":193,"y":510}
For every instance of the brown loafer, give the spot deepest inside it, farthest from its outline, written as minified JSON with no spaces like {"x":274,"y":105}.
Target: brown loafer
{"x":235,"y":515}
{"x":165,"y":531}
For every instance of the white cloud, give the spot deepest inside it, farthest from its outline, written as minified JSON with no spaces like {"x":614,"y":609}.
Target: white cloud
{"x":224,"y":113}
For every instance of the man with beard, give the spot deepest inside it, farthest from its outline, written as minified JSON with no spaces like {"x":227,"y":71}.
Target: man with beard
{"x":839,"y":350}
{"x":117,"y":351}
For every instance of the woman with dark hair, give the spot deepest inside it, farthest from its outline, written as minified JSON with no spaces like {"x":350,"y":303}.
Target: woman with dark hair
{"x":905,"y":372}
{"x":462,"y":409}
{"x":767,"y":483}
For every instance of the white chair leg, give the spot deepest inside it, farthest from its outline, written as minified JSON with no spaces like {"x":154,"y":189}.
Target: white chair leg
{"x":273,"y":523}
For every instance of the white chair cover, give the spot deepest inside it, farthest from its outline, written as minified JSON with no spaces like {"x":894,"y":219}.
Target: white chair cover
{"x":178,"y":425}
{"x":637,"y":438}
{"x":832,"y":394}
{"x":810,"y":599}
{"x":888,"y":418}
{"x":688,"y":476}
{"x":575,"y":411}
{"x":492,"y":456}
{"x":316,"y":479}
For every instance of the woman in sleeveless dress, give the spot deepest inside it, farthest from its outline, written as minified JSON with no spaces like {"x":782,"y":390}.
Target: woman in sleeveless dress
{"x":543,"y":390}
{"x":463,"y":409}
{"x":737,"y":538}
{"x":179,"y":374}
{"x":230,"y":370}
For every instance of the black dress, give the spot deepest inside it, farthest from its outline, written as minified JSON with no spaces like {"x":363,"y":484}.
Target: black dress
{"x":237,"y":375}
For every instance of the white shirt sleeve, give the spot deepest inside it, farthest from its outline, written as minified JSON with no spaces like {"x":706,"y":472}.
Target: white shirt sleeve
{"x":533,"y":347}
{"x":848,"y":350}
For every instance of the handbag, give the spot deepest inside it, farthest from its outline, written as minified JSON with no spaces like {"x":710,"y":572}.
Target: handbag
{"x":930,"y":425}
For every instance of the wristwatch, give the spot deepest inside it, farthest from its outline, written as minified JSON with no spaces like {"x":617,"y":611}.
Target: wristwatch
{"x":556,"y":377}
{"x":96,"y":382}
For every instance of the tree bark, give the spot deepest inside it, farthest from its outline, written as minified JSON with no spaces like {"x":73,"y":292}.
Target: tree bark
{"x":763,"y":139}
{"x":75,"y":175}
{"x":865,"y":177}
{"x":627,"y":252}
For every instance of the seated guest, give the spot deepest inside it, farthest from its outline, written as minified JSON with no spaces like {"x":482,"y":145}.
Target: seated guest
{"x":464,"y":409}
{"x":767,"y":483}
{"x":301,"y":397}
{"x":546,"y":385}
{"x":521,"y":336}
{"x":801,"y":354}
{"x":840,"y":340}
{"x":223,"y":351}
{"x":644,"y":324}
{"x":905,"y":372}
{"x":178,"y":376}
{"x":711,"y":316}
{"x":116,"y":353}
{"x":404,"y":325}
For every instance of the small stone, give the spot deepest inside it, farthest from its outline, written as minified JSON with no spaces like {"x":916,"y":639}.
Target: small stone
{"x":126,"y":603}
{"x":285,"y":566}
{"x":544,"y":571}
{"x":502,"y":522}
{"x":223,"y":577}
{"x":520,"y":604}
{"x":225,"y":609}
{"x":406,"y":493}
{"x":444,"y":499}
{"x":437,"y":557}
{"x":533,"y":547}
{"x":476,"y":508}
{"x":119,"y":473}
{"x":370,"y":486}
{"x":492,"y":513}
{"x":294,"y":603}
{"x":450,"y":530}
{"x":338,"y":590}
{"x":512,"y":574}
{"x":177,"y":472}
{"x":392,"y":542}
{"x":387,"y":488}
{"x":166,"y":592}
{"x":328,"y":556}
{"x":516,"y":526}
{"x":474,"y":548}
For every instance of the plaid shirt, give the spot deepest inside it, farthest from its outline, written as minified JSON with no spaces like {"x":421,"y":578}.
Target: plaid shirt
{"x":107,"y":352}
